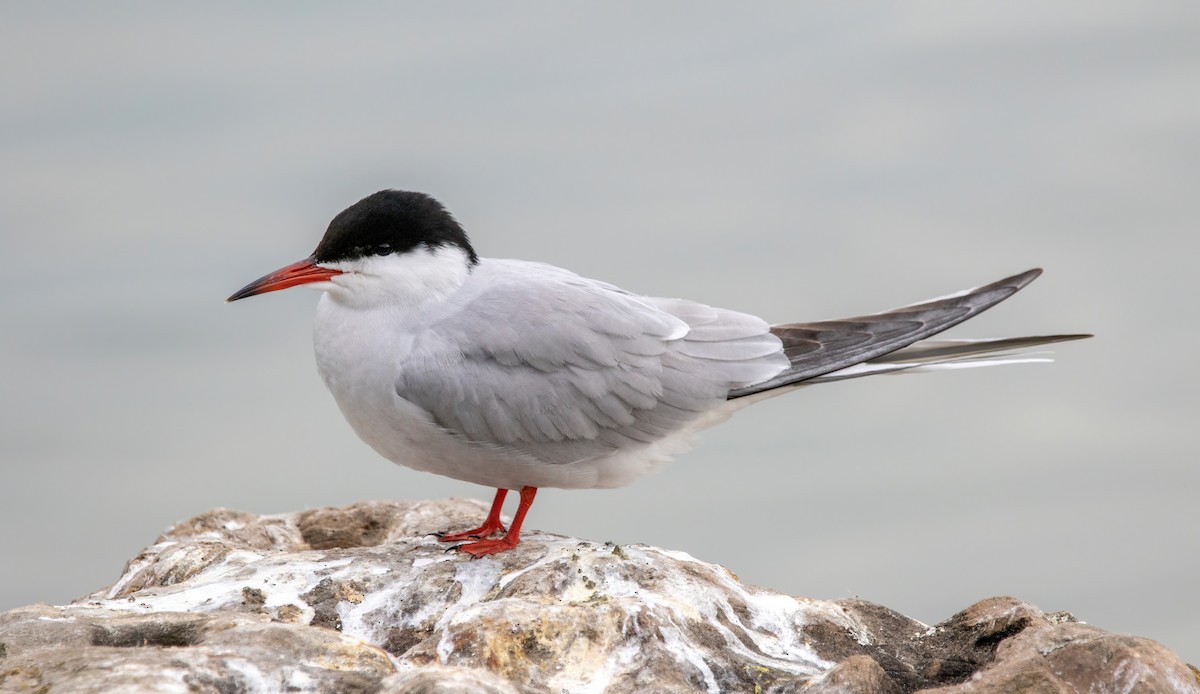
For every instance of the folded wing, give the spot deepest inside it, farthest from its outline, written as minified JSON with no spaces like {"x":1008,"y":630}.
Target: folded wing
{"x":566,"y":369}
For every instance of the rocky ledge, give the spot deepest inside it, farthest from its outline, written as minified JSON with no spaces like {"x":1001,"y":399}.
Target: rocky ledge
{"x":362,"y":599}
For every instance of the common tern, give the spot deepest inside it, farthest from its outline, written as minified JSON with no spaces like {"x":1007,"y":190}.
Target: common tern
{"x":520,"y":375}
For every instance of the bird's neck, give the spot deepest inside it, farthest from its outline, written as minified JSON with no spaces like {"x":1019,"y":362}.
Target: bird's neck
{"x":405,"y":280}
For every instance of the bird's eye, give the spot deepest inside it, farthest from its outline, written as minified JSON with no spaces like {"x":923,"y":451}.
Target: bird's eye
{"x":378,"y":249}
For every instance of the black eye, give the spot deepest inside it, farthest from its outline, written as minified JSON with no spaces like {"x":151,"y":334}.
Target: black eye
{"x":379,"y":249}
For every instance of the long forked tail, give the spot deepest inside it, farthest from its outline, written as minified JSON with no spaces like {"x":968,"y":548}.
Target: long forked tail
{"x":884,"y":342}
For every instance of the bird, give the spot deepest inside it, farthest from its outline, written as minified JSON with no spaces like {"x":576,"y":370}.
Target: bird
{"x":520,"y":375}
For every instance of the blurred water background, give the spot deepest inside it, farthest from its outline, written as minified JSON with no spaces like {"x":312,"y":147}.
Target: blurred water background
{"x":794,"y":160}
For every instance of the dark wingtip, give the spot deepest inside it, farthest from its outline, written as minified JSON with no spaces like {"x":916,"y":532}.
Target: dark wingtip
{"x":1048,"y":339}
{"x":1021,"y":279}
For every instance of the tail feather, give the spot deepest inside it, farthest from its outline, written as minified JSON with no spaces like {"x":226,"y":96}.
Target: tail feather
{"x":884,"y":341}
{"x":944,"y":350}
{"x":938,"y":355}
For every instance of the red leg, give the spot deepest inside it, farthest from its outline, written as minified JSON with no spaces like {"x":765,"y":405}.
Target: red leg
{"x":511,"y":538}
{"x":490,"y":527}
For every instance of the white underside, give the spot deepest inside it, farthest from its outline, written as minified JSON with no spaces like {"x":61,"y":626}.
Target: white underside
{"x":408,"y":438}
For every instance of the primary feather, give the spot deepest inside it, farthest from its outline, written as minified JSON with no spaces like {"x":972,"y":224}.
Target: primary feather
{"x":822,"y":347}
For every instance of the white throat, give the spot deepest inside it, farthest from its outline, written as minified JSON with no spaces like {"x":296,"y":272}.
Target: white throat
{"x":398,"y":279}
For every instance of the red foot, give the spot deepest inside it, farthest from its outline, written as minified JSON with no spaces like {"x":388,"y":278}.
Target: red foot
{"x":485,"y":530}
{"x":483,"y":548}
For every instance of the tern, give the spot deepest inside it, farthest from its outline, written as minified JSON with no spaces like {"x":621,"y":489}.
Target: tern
{"x":520,"y":375}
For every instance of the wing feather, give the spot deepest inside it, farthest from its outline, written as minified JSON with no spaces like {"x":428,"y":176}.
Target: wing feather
{"x":569,"y":369}
{"x":822,"y":347}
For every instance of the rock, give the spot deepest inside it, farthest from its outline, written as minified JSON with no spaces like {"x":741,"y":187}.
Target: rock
{"x":858,"y":674}
{"x":94,"y":649}
{"x":362,"y":599}
{"x":1070,"y":658}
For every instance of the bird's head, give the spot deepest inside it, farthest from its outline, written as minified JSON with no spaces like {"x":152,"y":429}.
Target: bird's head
{"x":390,"y":247}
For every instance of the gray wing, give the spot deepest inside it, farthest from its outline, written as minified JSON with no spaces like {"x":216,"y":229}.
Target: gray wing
{"x":819,"y":348}
{"x":566,"y":369}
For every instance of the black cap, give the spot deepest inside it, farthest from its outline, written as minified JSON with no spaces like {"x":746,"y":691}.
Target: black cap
{"x":391,"y":221}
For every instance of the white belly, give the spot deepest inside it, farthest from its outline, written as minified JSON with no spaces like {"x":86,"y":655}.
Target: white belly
{"x":404,"y":434}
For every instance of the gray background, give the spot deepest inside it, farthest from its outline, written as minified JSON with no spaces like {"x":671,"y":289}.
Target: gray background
{"x":792,"y":160}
